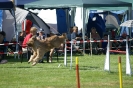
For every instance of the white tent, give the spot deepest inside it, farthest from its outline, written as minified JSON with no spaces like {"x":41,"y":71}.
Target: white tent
{"x":21,"y":14}
{"x":112,"y":20}
{"x":49,"y":16}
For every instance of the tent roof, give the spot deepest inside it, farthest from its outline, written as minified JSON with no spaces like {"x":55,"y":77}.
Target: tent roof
{"x":72,"y":3}
{"x":6,"y":4}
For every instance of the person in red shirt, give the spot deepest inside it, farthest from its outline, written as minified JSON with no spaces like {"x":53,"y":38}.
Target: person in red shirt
{"x":33,"y":32}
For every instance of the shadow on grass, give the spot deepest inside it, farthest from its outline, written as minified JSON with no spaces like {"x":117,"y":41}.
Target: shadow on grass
{"x":87,"y":68}
{"x":17,"y":67}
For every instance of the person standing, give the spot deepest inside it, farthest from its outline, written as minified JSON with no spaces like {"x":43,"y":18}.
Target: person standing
{"x":41,"y":36}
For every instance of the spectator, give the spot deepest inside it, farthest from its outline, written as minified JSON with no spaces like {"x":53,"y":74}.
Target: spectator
{"x":2,"y":49}
{"x":21,"y":39}
{"x":69,"y":34}
{"x":94,"y":34}
{"x":123,"y":44}
{"x":95,"y":46}
{"x":41,"y":36}
{"x":75,"y":36}
{"x":33,"y":31}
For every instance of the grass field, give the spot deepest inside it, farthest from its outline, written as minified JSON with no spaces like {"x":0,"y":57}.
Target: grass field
{"x":49,"y":75}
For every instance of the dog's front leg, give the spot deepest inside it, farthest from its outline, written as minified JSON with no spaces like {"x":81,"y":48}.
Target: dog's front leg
{"x":32,"y":57}
{"x":39,"y":56}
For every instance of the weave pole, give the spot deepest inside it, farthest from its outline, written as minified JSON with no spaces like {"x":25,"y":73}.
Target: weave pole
{"x":71,"y":55}
{"x":77,"y":73}
{"x":65,"y":55}
{"x":128,"y":66}
{"x":120,"y":71}
{"x":107,"y":59}
{"x":90,"y":44}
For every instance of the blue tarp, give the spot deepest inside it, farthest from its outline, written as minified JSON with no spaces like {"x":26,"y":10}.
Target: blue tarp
{"x":61,"y":21}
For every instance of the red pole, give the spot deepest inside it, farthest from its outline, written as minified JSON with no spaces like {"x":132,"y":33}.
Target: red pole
{"x":77,"y":73}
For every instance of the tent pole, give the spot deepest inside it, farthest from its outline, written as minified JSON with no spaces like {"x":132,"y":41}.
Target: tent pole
{"x":15,"y":28}
{"x":83,"y":27}
{"x":129,"y":18}
{"x":130,"y":29}
{"x":73,"y":10}
{"x":25,"y":25}
{"x":67,"y":19}
{"x":86,"y":17}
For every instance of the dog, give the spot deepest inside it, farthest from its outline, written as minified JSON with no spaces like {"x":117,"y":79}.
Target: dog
{"x":40,"y":47}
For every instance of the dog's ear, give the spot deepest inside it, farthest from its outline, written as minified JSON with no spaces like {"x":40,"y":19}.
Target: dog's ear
{"x":65,"y":35}
{"x":34,"y":37}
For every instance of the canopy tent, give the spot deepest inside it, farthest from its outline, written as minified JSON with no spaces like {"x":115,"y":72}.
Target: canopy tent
{"x":71,"y":3}
{"x":6,"y":5}
{"x":21,"y":15}
{"x":109,"y":21}
{"x":51,"y":16}
{"x":92,"y":4}
{"x":129,"y":1}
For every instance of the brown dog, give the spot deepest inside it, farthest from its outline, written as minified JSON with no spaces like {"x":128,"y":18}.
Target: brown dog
{"x":40,"y":47}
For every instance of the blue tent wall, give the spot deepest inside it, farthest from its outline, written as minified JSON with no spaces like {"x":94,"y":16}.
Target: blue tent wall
{"x":61,"y":21}
{"x":1,"y":15}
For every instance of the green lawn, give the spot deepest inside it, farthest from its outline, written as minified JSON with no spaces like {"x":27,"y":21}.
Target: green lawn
{"x":48,"y":75}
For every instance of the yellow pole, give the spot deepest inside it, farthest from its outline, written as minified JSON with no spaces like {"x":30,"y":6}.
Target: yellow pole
{"x":120,"y":72}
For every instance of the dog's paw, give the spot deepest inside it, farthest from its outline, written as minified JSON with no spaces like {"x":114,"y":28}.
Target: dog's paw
{"x":29,"y":62}
{"x":34,"y":63}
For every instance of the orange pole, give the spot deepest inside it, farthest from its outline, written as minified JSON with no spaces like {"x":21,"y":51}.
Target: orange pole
{"x":77,"y":73}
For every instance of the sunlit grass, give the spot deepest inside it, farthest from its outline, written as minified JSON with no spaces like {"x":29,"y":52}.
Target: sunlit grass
{"x":50,"y":75}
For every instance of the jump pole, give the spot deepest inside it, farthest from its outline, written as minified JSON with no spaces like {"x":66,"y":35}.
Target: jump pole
{"x":77,"y":73}
{"x":120,"y":71}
